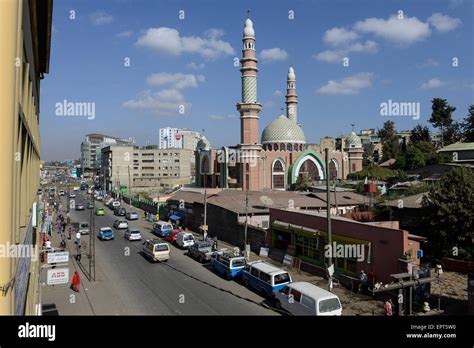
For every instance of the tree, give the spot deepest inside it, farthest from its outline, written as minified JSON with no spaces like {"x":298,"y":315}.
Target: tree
{"x":441,"y":117}
{"x":467,"y":126}
{"x":448,"y":214}
{"x":303,"y":182}
{"x":419,"y":133}
{"x":389,"y":139}
{"x":414,"y":158}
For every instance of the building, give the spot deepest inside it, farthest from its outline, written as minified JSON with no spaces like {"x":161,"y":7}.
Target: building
{"x":461,"y":153}
{"x":168,"y":139}
{"x":25,"y":41}
{"x":383,"y":248}
{"x":144,"y":167}
{"x":277,"y":158}
{"x":372,"y":144}
{"x":91,"y":149}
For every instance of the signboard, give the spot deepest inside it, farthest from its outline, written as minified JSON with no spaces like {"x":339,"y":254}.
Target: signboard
{"x":59,"y":257}
{"x":58,"y":276}
{"x":263,"y":252}
{"x":288,"y":259}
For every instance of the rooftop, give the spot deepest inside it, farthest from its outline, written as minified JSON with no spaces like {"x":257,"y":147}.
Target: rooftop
{"x":457,"y":147}
{"x":413,"y":201}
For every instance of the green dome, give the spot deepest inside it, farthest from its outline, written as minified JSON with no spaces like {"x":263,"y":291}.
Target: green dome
{"x":353,"y":141}
{"x":283,"y":130}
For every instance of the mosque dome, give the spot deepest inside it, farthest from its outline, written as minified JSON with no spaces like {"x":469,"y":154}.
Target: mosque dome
{"x":248,"y":29}
{"x":283,"y":130}
{"x":353,"y":141}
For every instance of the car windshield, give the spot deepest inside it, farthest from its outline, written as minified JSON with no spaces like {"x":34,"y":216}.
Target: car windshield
{"x":204,"y":246}
{"x":188,"y":238}
{"x":106,"y":231}
{"x":167,"y":227}
{"x":329,"y":305}
{"x":135,"y":232}
{"x":84,"y":225}
{"x":161,"y":247}
{"x":240,"y":262}
{"x":281,"y":278}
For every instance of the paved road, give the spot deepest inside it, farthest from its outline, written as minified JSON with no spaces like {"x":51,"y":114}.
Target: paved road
{"x":182,"y":286}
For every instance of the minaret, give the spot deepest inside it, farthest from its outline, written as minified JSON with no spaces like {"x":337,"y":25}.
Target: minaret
{"x":291,"y":96}
{"x":249,"y":107}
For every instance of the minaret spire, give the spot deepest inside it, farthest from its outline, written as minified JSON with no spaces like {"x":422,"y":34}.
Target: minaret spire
{"x":291,"y":96}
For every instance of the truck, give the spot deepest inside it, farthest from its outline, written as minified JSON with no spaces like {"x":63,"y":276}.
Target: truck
{"x":200,"y":251}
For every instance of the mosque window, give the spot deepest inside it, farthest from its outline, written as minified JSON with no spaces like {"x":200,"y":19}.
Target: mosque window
{"x":205,"y":165}
{"x":269,"y":147}
{"x":275,"y":147}
{"x":288,"y":147}
{"x":282,"y":147}
{"x":353,"y":167}
{"x":278,"y":175}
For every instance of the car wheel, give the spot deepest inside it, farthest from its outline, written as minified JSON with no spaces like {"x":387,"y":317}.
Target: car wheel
{"x":246,"y":282}
{"x":278,"y":304}
{"x":201,"y":259}
{"x":227,"y":276}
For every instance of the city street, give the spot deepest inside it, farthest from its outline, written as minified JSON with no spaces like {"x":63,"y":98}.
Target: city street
{"x":180,"y":286}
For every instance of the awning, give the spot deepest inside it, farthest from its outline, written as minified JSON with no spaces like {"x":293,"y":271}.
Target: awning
{"x":175,"y":217}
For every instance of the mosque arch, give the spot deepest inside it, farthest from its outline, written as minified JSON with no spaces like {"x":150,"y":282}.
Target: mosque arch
{"x":307,"y":162}
{"x":278,"y":174}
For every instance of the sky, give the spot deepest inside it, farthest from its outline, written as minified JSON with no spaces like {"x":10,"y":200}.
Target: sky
{"x":141,"y":65}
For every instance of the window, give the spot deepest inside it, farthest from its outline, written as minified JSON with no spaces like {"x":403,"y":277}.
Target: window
{"x":265,"y":277}
{"x":254,"y":272}
{"x":288,"y":147}
{"x":296,"y":295}
{"x":329,"y":305}
{"x":353,"y":167}
{"x":238,"y":262}
{"x":308,"y":302}
{"x":269,"y":147}
{"x":285,"y":290}
{"x":281,"y":278}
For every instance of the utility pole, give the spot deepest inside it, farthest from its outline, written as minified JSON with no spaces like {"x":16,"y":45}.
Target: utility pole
{"x":129,"y":189}
{"x":92,"y":240}
{"x":205,"y":229}
{"x":328,"y":208}
{"x":335,"y":195}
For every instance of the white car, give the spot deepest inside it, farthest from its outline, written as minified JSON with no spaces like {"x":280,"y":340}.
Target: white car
{"x":115,"y":204}
{"x":155,"y":250}
{"x":120,"y":224}
{"x":61,"y":192}
{"x":72,"y":195}
{"x":184,"y":240}
{"x":133,"y":234}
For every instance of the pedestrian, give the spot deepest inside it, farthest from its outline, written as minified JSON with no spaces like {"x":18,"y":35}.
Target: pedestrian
{"x":363,"y":281}
{"x":388,"y":306}
{"x":205,"y":235}
{"x":69,"y":230}
{"x":76,"y":281}
{"x":78,"y":256}
{"x":78,"y":238}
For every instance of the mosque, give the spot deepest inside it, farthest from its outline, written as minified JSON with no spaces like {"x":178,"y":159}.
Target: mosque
{"x":282,"y":154}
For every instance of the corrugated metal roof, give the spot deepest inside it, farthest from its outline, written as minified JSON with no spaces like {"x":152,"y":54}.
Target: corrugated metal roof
{"x":457,"y":147}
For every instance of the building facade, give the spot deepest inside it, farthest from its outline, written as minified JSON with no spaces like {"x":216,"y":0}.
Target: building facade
{"x":132,"y":166}
{"x":25,"y":41}
{"x":280,"y":156}
{"x":167,"y":138}
{"x":91,"y":149}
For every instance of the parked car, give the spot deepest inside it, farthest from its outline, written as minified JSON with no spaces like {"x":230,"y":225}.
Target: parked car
{"x":80,"y":207}
{"x":155,"y":250}
{"x":162,"y":228}
{"x":72,"y":195}
{"x":99,"y":198}
{"x":132,"y":215}
{"x":120,"y":224}
{"x":184,"y":240}
{"x":227,"y":264}
{"x":61,"y":192}
{"x":201,"y":251}
{"x":100,"y":212}
{"x":302,"y":298}
{"x":264,"y":277}
{"x":120,"y":211}
{"x":90,"y":205}
{"x":83,"y":227}
{"x":106,"y":233}
{"x":171,"y":237}
{"x":133,"y":234}
{"x":115,"y":204}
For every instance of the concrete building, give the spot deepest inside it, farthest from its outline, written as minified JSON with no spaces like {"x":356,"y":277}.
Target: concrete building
{"x":91,"y":149}
{"x":167,"y":138}
{"x":144,"y":167}
{"x":461,"y":153}
{"x":280,"y":156}
{"x":25,"y":41}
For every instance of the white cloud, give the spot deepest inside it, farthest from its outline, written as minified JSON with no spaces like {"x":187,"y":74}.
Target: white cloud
{"x":430,"y":62}
{"x":432,"y":83}
{"x":195,"y":66}
{"x":222,"y":117}
{"x":443,"y":23}
{"x":168,"y":41}
{"x":124,"y":34}
{"x":277,"y":93}
{"x":175,"y":81}
{"x":348,"y":86}
{"x":273,"y":54}
{"x":214,"y":34}
{"x":101,"y":18}
{"x":402,"y":31}
{"x":333,"y":56}
{"x":166,"y":102}
{"x":339,"y":36}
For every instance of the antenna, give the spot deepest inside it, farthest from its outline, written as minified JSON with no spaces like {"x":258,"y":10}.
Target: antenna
{"x":248,"y":13}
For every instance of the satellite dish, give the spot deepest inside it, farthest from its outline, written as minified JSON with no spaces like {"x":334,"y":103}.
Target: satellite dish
{"x":267,"y":201}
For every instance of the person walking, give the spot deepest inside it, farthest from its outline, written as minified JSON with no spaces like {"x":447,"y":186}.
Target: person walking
{"x":79,"y":254}
{"x":76,"y":282}
{"x":78,"y":238}
{"x":388,"y":306}
{"x":363,"y":282}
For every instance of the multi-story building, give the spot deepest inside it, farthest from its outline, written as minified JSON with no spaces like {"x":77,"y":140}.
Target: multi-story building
{"x":91,"y":149}
{"x":168,"y":139}
{"x":25,"y":41}
{"x":144,"y":167}
{"x":372,"y":144}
